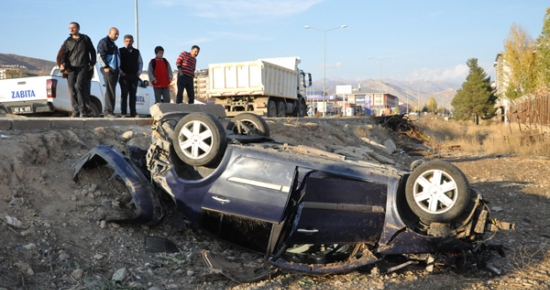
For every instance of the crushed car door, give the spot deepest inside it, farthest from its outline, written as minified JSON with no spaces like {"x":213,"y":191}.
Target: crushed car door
{"x":337,"y":210}
{"x":252,"y":188}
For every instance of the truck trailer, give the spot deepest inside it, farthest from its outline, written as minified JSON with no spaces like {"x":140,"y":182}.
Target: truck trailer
{"x":274,"y":87}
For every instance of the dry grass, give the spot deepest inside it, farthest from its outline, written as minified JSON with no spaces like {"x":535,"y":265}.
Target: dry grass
{"x":489,"y":138}
{"x":532,"y":265}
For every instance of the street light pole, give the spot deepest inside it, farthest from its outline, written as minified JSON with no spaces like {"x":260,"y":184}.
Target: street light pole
{"x":137,"y":28}
{"x":418,"y":98}
{"x":407,"y":100}
{"x":380,"y":59}
{"x":325,"y":57}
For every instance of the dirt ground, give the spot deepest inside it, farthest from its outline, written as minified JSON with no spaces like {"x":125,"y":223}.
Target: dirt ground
{"x":54,"y":236}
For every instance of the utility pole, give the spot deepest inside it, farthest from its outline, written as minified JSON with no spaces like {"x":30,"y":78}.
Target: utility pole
{"x":137,"y":28}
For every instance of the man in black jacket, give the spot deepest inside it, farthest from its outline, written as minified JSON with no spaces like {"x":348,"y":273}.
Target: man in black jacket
{"x":131,"y":66}
{"x":78,"y":59}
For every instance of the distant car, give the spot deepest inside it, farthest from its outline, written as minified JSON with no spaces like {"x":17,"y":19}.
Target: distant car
{"x":305,"y":209}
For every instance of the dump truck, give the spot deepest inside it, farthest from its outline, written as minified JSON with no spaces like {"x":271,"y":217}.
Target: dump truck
{"x":272,"y":87}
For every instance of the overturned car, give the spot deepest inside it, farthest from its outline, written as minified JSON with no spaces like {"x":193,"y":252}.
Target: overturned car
{"x":305,"y":209}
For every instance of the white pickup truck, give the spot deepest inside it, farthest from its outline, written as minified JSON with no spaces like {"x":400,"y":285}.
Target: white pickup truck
{"x":51,"y":94}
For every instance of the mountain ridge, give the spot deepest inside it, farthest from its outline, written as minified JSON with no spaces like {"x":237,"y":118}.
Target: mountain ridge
{"x":35,"y":66}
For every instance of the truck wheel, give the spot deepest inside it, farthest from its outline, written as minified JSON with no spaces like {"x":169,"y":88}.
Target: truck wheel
{"x":248,"y":123}
{"x":93,"y":110}
{"x":271,"y":109}
{"x":199,"y":139}
{"x":437,"y":191}
{"x":281,"y":109}
{"x":301,"y":107}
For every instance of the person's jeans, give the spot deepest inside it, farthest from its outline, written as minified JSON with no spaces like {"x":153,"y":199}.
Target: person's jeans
{"x":162,"y":95}
{"x":128,"y":86}
{"x":110,"y":79}
{"x":185,"y":82}
{"x":79,"y":88}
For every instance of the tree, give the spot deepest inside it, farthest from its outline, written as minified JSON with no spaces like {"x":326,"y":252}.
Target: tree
{"x":432,"y":105}
{"x":543,"y":53}
{"x":519,"y":54}
{"x":475,"y":97}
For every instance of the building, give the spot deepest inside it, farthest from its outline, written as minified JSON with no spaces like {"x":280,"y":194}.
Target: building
{"x":372,"y":102}
{"x":362,"y":101}
{"x":502,"y":81}
{"x":12,"y":71}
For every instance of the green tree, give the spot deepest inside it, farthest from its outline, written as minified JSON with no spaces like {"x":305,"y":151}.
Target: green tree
{"x":475,"y":97}
{"x":519,"y":54}
{"x":432,"y":105}
{"x":543,"y":53}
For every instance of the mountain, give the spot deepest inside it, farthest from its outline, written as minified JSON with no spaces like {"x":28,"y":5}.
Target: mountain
{"x":35,"y":66}
{"x":416,"y":92}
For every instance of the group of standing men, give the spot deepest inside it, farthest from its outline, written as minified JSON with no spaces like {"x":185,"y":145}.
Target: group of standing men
{"x":77,"y":57}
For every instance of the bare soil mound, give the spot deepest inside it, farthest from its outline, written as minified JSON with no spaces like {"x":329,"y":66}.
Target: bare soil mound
{"x":54,"y":235}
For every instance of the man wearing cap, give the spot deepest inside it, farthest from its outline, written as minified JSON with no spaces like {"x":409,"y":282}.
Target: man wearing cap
{"x":131,"y":66}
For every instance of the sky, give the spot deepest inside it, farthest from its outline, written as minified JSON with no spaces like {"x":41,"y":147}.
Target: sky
{"x":402,"y":40}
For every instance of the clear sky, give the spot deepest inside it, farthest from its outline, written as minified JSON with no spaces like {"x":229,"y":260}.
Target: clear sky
{"x":427,"y":39}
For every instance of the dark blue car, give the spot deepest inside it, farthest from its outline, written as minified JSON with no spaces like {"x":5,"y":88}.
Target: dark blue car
{"x":305,"y":209}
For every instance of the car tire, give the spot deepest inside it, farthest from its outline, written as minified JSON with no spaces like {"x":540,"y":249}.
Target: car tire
{"x":281,"y":109}
{"x":437,"y":191}
{"x":246,"y":123}
{"x":199,"y":139}
{"x":94,"y":111}
{"x":271,"y":108}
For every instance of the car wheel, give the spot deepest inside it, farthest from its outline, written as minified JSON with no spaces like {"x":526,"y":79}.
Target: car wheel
{"x":271,"y":108}
{"x":199,"y":139}
{"x":437,"y":191}
{"x":281,"y":109}
{"x":247,"y":123}
{"x":94,"y":111}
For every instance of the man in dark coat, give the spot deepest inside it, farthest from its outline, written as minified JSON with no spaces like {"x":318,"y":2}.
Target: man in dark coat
{"x":78,"y":59}
{"x":131,"y":66}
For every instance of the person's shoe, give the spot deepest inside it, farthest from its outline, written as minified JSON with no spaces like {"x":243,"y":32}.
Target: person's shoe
{"x":123,"y":116}
{"x":108,"y":115}
{"x":132,"y":115}
{"x":75,"y":115}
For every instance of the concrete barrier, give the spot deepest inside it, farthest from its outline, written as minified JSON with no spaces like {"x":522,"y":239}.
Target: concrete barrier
{"x":45,"y":123}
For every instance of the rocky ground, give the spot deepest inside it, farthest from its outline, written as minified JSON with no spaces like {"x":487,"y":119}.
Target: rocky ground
{"x":54,"y":236}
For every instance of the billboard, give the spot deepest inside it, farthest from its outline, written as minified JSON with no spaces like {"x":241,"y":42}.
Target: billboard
{"x":343,"y":90}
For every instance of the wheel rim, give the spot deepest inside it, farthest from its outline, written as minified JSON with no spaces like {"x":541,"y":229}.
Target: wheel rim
{"x":195,"y":139}
{"x":435,"y":191}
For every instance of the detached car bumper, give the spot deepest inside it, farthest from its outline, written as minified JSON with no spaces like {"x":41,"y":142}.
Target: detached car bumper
{"x":144,"y":201}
